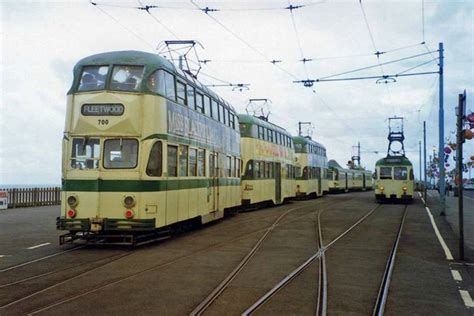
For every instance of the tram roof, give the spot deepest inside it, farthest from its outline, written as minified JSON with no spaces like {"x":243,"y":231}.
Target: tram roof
{"x":335,"y":165}
{"x":306,"y":140}
{"x":250,"y":119}
{"x":394,"y":161}
{"x":151,"y":62}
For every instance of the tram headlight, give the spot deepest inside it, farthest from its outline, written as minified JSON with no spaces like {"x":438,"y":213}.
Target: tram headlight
{"x":129,"y":201}
{"x":381,"y":188}
{"x":72,"y":201}
{"x":404,"y":189}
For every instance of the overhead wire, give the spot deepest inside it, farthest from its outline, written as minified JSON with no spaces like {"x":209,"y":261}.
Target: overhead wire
{"x":147,"y":10}
{"x":298,"y":40}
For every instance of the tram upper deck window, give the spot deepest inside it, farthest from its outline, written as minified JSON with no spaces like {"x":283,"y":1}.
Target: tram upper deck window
{"x":215,"y":110}
{"x":400,"y":173}
{"x":199,"y":102}
{"x":181,"y":92}
{"x":162,"y":82}
{"x":385,"y":172}
{"x":120,"y":153}
{"x":93,"y":78}
{"x":85,"y":153}
{"x":126,"y":78}
{"x":191,"y":102}
{"x":207,"y":106}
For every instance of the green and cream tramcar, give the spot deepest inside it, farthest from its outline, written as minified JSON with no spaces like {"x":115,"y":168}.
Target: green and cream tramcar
{"x":344,"y":180}
{"x":311,"y":167}
{"x":394,"y":179}
{"x":268,"y":160}
{"x":146,"y":146}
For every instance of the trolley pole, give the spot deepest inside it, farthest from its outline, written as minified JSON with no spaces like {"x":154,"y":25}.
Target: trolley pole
{"x":459,"y":145}
{"x":442,"y":184}
{"x":424,"y":154}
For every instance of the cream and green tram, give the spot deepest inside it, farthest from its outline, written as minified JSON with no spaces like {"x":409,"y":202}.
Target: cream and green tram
{"x":311,"y":167}
{"x":146,"y":149}
{"x":339,"y":179}
{"x":394,"y":179}
{"x":268,"y":175}
{"x":361,"y":179}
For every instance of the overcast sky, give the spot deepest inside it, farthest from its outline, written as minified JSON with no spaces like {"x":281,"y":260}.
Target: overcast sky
{"x":42,"y":40}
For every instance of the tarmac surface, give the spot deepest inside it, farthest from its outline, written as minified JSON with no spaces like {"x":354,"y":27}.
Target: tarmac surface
{"x":172,"y":277}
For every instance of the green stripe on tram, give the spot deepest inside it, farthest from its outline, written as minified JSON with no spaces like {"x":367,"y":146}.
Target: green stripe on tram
{"x":142,"y":185}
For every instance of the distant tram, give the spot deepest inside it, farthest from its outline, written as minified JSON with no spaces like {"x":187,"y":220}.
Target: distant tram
{"x":311,"y":166}
{"x":394,"y":179}
{"x":344,"y":180}
{"x":268,"y":160}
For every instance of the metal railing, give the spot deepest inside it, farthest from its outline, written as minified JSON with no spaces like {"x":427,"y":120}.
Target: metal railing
{"x":27,"y":197}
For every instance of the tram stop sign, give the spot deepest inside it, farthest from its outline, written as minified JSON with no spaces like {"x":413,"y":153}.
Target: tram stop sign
{"x":3,"y":200}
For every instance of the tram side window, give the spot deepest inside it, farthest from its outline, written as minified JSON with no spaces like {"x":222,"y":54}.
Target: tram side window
{"x":400,"y":173}
{"x":385,"y":172}
{"x":232,"y":120}
{"x":261,"y":132}
{"x":192,"y":162}
{"x":228,"y":166}
{"x":201,"y":162}
{"x":226,"y":116}
{"x":172,"y":161}
{"x":162,"y":82}
{"x":270,"y":135}
{"x":215,"y":111}
{"x":85,"y":153}
{"x":181,"y":92}
{"x":221,"y":113}
{"x":249,"y":170}
{"x":191,"y":103}
{"x":305,"y":173}
{"x":412,"y":176}
{"x":154,"y":167}
{"x":199,"y":102}
{"x":126,"y":78}
{"x":207,"y":106}
{"x":183,"y":160}
{"x":93,"y":78}
{"x":120,"y":153}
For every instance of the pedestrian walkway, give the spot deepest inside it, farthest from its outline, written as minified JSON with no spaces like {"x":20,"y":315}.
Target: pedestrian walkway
{"x":452,"y":215}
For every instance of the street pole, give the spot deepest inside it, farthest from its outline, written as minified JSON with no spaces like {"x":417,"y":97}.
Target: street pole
{"x":424,"y":154}
{"x":419,"y":159}
{"x":441,"y":186}
{"x":460,"y":141}
{"x":358,"y":152}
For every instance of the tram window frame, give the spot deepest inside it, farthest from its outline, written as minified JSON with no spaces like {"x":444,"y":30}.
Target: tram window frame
{"x":261,"y":132}
{"x":221,"y":114}
{"x":199,"y":104}
{"x":95,"y":153}
{"x":385,"y":175}
{"x":168,"y":160}
{"x":270,"y":135}
{"x":116,"y":85}
{"x":191,"y":97}
{"x":201,"y":162}
{"x":207,"y":105}
{"x":228,"y":165}
{"x":232,"y":120}
{"x":158,"y":82}
{"x":262,"y":169}
{"x":214,"y":110}
{"x":157,"y":158}
{"x":249,"y":169}
{"x":400,"y":176}
{"x":109,"y":164}
{"x":181,"y":92}
{"x":192,"y":166}
{"x":183,"y":158}
{"x":98,"y":85}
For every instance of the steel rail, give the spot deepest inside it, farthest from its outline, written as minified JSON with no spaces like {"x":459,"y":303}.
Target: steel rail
{"x":262,"y":300}
{"x":387,"y":276}
{"x":322,"y":284}
{"x":233,"y":274}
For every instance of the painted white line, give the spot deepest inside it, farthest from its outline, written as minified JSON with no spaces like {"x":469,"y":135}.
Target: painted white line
{"x":3,"y":256}
{"x":447,"y":252}
{"x":37,"y":246}
{"x":456,"y":275}
{"x":466,"y":297}
{"x":470,"y":198}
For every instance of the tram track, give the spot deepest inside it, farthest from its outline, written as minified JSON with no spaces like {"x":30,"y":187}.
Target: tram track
{"x":321,"y":308}
{"x":155,"y":267}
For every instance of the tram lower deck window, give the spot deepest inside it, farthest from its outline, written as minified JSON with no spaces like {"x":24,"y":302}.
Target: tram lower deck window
{"x":85,"y":153}
{"x":385,"y":172}
{"x":120,"y":153}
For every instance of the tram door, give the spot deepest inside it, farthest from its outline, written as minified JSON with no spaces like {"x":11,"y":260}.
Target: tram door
{"x":278,"y":182}
{"x":318,"y":174}
{"x":214,"y":185}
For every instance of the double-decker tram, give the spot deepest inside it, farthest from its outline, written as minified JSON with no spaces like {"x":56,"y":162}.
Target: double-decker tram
{"x":268,"y":175}
{"x":146,"y":148}
{"x":311,"y":167}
